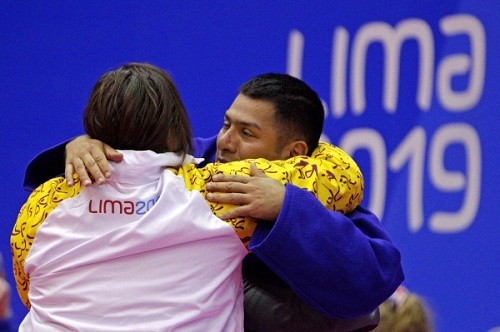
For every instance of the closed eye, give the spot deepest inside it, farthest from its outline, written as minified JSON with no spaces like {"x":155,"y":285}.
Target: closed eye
{"x":247,"y":133}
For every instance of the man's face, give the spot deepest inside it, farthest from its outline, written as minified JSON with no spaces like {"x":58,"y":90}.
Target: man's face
{"x":248,"y":131}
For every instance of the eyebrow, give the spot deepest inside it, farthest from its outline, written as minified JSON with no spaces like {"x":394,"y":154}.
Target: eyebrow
{"x":242,"y":123}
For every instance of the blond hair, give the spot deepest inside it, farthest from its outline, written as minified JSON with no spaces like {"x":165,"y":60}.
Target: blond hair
{"x":410,"y":314}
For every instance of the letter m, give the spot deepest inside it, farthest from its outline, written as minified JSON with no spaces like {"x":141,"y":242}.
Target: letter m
{"x":392,"y":39}
{"x":110,"y":203}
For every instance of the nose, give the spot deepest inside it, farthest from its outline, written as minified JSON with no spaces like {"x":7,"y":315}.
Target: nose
{"x":226,"y":140}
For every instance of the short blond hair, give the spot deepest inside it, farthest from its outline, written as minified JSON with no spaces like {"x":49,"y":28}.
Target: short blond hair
{"x":408,"y":314}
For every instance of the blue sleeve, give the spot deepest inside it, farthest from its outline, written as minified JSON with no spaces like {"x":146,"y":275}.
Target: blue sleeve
{"x":205,"y":148}
{"x":5,"y":325}
{"x":46,"y":165}
{"x":344,"y":266}
{"x":50,"y":163}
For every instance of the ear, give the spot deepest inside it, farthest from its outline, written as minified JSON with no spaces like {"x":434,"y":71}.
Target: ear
{"x":296,"y":148}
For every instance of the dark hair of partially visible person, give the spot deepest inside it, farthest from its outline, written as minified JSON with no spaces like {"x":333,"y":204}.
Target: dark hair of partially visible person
{"x":138,"y":107}
{"x":299,"y":112}
{"x":405,"y":311}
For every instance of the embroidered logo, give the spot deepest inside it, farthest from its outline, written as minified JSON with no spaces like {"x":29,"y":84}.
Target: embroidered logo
{"x":116,"y":206}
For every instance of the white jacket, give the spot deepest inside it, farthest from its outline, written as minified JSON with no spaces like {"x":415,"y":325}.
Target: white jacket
{"x":139,"y":253}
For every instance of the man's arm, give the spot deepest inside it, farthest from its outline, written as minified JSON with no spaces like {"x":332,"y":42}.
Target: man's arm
{"x":86,"y":156}
{"x":45,"y":166}
{"x":344,"y":266}
{"x":89,"y":159}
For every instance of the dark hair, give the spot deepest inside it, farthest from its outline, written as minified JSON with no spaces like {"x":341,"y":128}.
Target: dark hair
{"x":299,"y":111}
{"x":138,"y":107}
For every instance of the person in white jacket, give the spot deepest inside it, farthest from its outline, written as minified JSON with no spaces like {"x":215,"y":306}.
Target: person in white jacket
{"x":140,"y":253}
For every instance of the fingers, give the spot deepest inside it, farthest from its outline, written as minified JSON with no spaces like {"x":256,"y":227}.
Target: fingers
{"x":255,"y":171}
{"x":228,"y":198}
{"x":112,"y":154}
{"x":98,"y":166}
{"x":87,"y":167}
{"x":77,"y":165}
{"x":228,"y":187}
{"x":87,"y":157}
{"x":235,"y":213}
{"x":257,"y":196}
{"x":97,"y":162}
{"x":68,"y":174}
